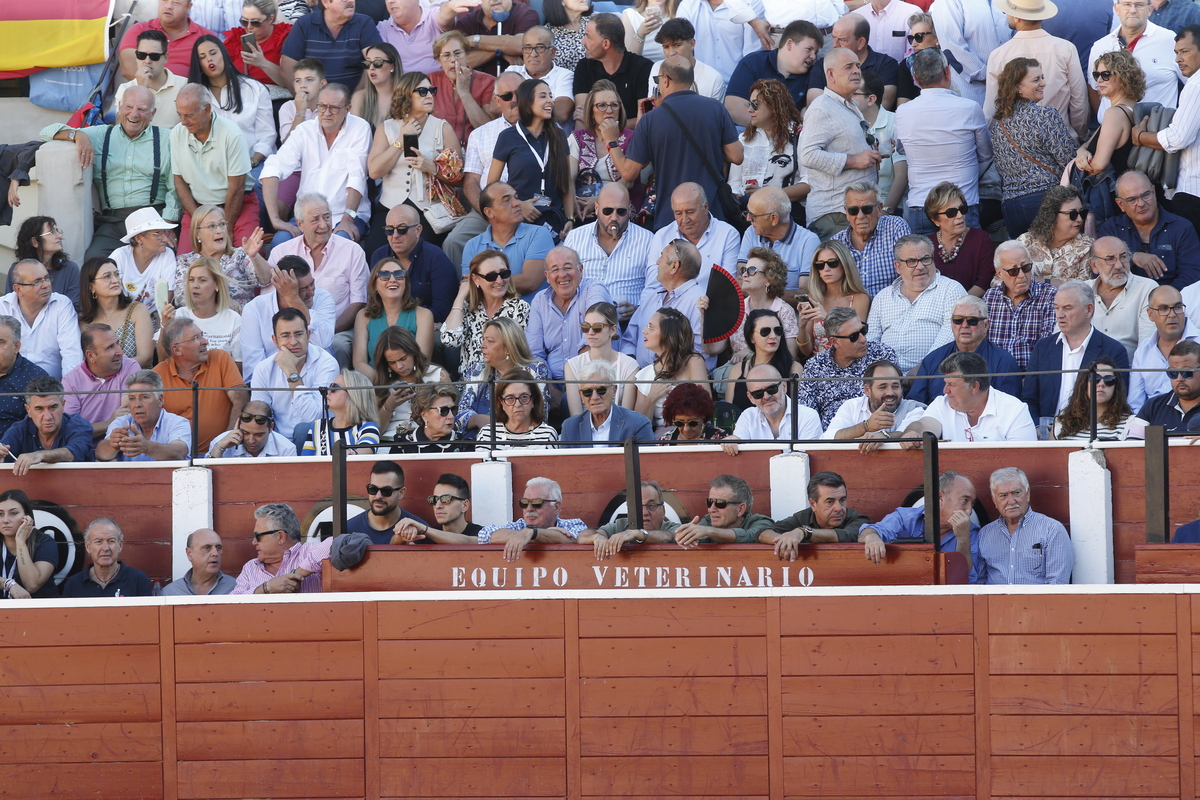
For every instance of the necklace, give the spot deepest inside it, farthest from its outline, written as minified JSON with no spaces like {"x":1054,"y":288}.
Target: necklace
{"x":947,"y":257}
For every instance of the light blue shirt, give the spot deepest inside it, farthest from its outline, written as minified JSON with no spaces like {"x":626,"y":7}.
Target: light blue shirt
{"x":718,"y":245}
{"x":554,"y":334}
{"x":1144,"y":385}
{"x":302,"y":404}
{"x":722,"y":41}
{"x":971,"y":30}
{"x":683,"y":299}
{"x":169,"y":428}
{"x":796,"y":249}
{"x":909,"y":523}
{"x":1039,"y":552}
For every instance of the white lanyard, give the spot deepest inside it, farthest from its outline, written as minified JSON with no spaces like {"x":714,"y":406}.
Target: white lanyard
{"x":540,"y":160}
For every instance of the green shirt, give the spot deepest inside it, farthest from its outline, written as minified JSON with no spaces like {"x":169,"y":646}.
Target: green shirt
{"x":130,"y":167}
{"x":207,"y":166}
{"x":752,"y":526}
{"x":622,"y":524}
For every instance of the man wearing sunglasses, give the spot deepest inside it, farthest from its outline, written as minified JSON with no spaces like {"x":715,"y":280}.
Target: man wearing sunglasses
{"x":771,"y":416}
{"x":432,"y":277}
{"x":602,"y":420}
{"x":871,"y":235}
{"x":283,"y":565}
{"x":1165,"y":246}
{"x":1021,"y":309}
{"x":970,"y":325}
{"x":152,"y":73}
{"x":1179,"y":408}
{"x":558,"y":310}
{"x":384,"y":490}
{"x":828,"y":519}
{"x":613,"y":251}
{"x":729,"y":519}
{"x":769,"y":211}
{"x":1121,"y":296}
{"x":613,"y":537}
{"x":253,"y":436}
{"x":1171,"y":326}
{"x":848,"y":356}
{"x":541,"y":521}
{"x":450,"y":501}
{"x":174,"y":23}
{"x":970,"y":410}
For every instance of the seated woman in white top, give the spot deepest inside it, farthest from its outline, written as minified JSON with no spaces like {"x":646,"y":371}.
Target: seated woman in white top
{"x":520,"y":415}
{"x":207,"y":303}
{"x":769,"y":143}
{"x":243,"y":101}
{"x":600,"y":331}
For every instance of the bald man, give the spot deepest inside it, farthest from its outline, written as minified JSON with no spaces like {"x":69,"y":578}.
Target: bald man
{"x":204,"y":550}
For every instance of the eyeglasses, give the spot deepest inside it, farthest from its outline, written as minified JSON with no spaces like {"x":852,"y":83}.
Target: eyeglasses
{"x":917,"y":38}
{"x":747,"y":272}
{"x":455,"y":54}
{"x":214,"y":226}
{"x":827,"y":264}
{"x":251,"y":23}
{"x":595,"y":327}
{"x":258,"y":536}
{"x":54,"y":231}
{"x":507,"y":96}
{"x":1111,"y":260}
{"x":1015,"y":271}
{"x":195,"y":338}
{"x":385,"y":491}
{"x":42,"y":281}
{"x":688,"y":423}
{"x":608,"y":211}
{"x":1076,"y":213}
{"x":758,"y":394}
{"x":1168,"y":311}
{"x":1131,"y":6}
{"x":517,"y":399}
{"x":442,"y":499}
{"x":426,"y":91}
{"x":951,"y":213}
{"x":854,"y":211}
{"x":536,"y":502}
{"x":1102,"y":75}
{"x":397,"y":230}
{"x":1144,"y":197}
{"x":530,"y":49}
{"x":392,"y":274}
{"x":970,"y":322}
{"x":492,"y":277}
{"x":709,"y":502}
{"x":142,"y":56}
{"x":261,"y":419}
{"x":754,"y":105}
{"x":911,"y":263}
{"x":853,"y":337}
{"x":751,"y":217}
{"x":600,"y":390}
{"x":766,"y":331}
{"x":376,"y":63}
{"x":443,"y":411}
{"x":866,"y":126}
{"x":326,"y":108}
{"x":1107,"y":380}
{"x":652,"y":506}
{"x":1186,"y":374}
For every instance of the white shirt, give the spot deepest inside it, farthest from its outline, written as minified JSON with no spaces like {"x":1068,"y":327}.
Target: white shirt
{"x":255,"y":120}
{"x":52,"y":341}
{"x":559,"y":80}
{"x":480,"y":146}
{"x":858,"y":409}
{"x":293,"y":407}
{"x":1004,"y":419}
{"x":722,"y":36}
{"x":971,"y":30}
{"x":1126,"y":320}
{"x":216,"y":15}
{"x":1155,"y":52}
{"x":223,"y":331}
{"x":1072,"y":358}
{"x":753,"y":424}
{"x":256,"y":327}
{"x":328,"y":171}
{"x":623,"y":271}
{"x":1144,"y":385}
{"x":945,"y":138}
{"x":706,"y":81}
{"x":1184,"y":134}
{"x":277,"y":445}
{"x":718,"y":244}
{"x":822,"y":13}
{"x":889,"y":27}
{"x":140,"y":285}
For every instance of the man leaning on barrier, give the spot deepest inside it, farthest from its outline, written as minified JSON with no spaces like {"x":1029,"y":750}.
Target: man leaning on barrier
{"x":450,"y":501}
{"x":771,"y":416}
{"x":878,"y":413}
{"x":608,"y":539}
{"x":729,"y":519}
{"x":47,"y":435}
{"x":827,"y":519}
{"x":541,"y":506}
{"x":283,"y":565}
{"x":970,"y":410}
{"x":956,"y":497}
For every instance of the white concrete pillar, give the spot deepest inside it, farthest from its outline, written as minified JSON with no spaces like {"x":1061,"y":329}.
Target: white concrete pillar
{"x":1090,"y":492}
{"x":789,"y":484}
{"x":191,"y":508}
{"x":491,"y":493}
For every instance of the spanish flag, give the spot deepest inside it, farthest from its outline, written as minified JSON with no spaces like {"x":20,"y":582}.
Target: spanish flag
{"x":53,"y":33}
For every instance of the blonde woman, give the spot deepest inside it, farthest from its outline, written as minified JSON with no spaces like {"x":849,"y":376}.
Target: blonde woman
{"x":353,"y":423}
{"x":244,"y":266}
{"x":642,"y":22}
{"x":487,"y":294}
{"x":833,"y":282}
{"x":504,"y":348}
{"x":207,"y":303}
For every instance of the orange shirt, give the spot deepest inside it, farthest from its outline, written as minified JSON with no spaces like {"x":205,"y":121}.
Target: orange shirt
{"x":215,"y":407}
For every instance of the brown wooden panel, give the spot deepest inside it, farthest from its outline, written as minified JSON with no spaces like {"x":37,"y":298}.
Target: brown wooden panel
{"x":272,"y":661}
{"x":302,"y":622}
{"x":1110,"y":734}
{"x":665,"y":736}
{"x":832,"y":616}
{"x":683,"y":797}
{"x":301,"y":738}
{"x":453,"y":619}
{"x":62,"y":666}
{"x":945,"y":734}
{"x":471,"y":698}
{"x":476,"y":658}
{"x":672,"y":697}
{"x":216,"y":702}
{"x":332,"y":777}
{"x":133,"y":702}
{"x":724,"y":655}
{"x":671,"y":775}
{"x":472,"y":777}
{"x":477,"y":738}
{"x":1091,"y":654}
{"x":882,"y":694}
{"x":94,"y":742}
{"x":41,"y":627}
{"x":133,"y":780}
{"x":1084,"y":694}
{"x":665,"y":617}
{"x":1085,"y":776}
{"x":856,"y":776}
{"x":874,"y":655}
{"x":1086,"y":614}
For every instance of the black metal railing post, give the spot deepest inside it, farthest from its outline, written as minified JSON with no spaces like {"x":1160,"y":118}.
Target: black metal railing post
{"x":633,"y":484}
{"x":794,"y":400}
{"x":339,"y":487}
{"x":933,"y":504}
{"x":1158,"y":489}
{"x":192,"y":451}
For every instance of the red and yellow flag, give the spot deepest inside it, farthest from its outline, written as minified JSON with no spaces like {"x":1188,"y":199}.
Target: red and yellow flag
{"x":52,"y":33}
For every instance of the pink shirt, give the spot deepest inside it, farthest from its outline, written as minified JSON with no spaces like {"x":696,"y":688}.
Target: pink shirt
{"x":343,"y":271}
{"x":96,"y":407}
{"x":179,"y":51}
{"x":307,"y":556}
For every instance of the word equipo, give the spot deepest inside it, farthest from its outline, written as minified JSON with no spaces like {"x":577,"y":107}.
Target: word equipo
{"x":629,"y":577}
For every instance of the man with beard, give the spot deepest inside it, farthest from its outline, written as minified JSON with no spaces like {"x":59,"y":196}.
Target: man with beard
{"x":1176,"y":409}
{"x":956,"y":497}
{"x":1121,"y":297}
{"x":205,"y":577}
{"x":877,"y":414}
{"x":970,"y":325}
{"x":385,"y":490}
{"x":827,"y":519}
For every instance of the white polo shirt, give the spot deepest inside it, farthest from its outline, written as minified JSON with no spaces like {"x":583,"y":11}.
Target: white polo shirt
{"x":753,"y":424}
{"x":858,"y":409}
{"x":1004,"y":419}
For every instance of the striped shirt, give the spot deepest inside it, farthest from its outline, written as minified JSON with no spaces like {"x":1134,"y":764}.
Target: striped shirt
{"x":540,"y":438}
{"x":1038,"y":552}
{"x":877,"y":261}
{"x":623,"y":271}
{"x":1017,"y":328}
{"x":480,"y":146}
{"x":914,"y":327}
{"x":571,"y":526}
{"x":307,"y":556}
{"x":323,"y":434}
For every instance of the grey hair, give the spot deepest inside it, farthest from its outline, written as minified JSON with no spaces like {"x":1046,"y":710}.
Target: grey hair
{"x":282,"y":516}
{"x":911,"y":238}
{"x":307,"y":199}
{"x":976,"y":304}
{"x":741,"y":489}
{"x":551,"y":488}
{"x":928,"y":67}
{"x":197,"y":92}
{"x":1012,"y":245}
{"x":174,"y":330}
{"x":1008,"y":474}
{"x":777,"y":202}
{"x":863,"y":187}
{"x":1082,"y":290}
{"x":268,"y":8}
{"x":14,"y":325}
{"x":917,"y":19}
{"x":597,"y":371}
{"x":837,"y":317}
{"x":105,"y":521}
{"x":655,"y":486}
{"x":146,"y":377}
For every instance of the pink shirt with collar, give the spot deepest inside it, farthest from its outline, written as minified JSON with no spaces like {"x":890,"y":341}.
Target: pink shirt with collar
{"x":343,"y":271}
{"x":94,"y":406}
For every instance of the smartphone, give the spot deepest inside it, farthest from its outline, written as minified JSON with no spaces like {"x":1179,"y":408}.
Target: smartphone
{"x":804,"y":299}
{"x":248,"y":43}
{"x":647,"y":105}
{"x":654,"y":11}
{"x":411,"y":147}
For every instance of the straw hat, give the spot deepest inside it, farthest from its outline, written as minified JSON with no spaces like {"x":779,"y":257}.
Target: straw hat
{"x":1032,"y":10}
{"x":142,"y":220}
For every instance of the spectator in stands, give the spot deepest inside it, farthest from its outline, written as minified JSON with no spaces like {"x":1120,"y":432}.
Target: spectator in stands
{"x":541,"y":521}
{"x":912,"y":316}
{"x":604,"y":128}
{"x":567,"y":21}
{"x":431,"y":277}
{"x":921,"y":35}
{"x":1164,"y":245}
{"x":47,"y":435}
{"x":241,"y":100}
{"x":1056,"y":242}
{"x":791,"y":64}
{"x":834,"y":150}
{"x":1121,"y":298}
{"x":538,"y":54}
{"x":151,"y":73}
{"x":34,"y":554}
{"x":1077,"y":343}
{"x":607,"y":59}
{"x":599,"y":329}
{"x":970,"y":410}
{"x":1122,"y":83}
{"x":956,"y":499}
{"x":608,"y":540}
{"x":254,"y":435}
{"x":385,"y":490}
{"x":524,"y":245}
{"x":881,"y":123}
{"x":463,"y":92}
{"x":1156,"y":55}
{"x":433,"y":431}
{"x":207,"y":302}
{"x":351,"y":421}
{"x":833,"y":282}
{"x":729,"y":520}
{"x":771,"y":226}
{"x":411,"y":29}
{"x":612,"y":250}
{"x":244,"y":266}
{"x":94,"y":385}
{"x":852,"y":32}
{"x":283,"y":565}
{"x":727,"y":33}
{"x":850,"y":352}
{"x":450,"y":501}
{"x":871,"y":237}
{"x":148,"y":432}
{"x":717,"y":240}
{"x":678,"y":267}
{"x":105,"y":301}
{"x":1022,"y":546}
{"x":771,"y":417}
{"x":520,"y":415}
{"x":1168,"y":317}
{"x":828,"y":519}
{"x":389,"y":303}
{"x":762,"y":277}
{"x":49,"y":326}
{"x":602,"y":420}
{"x":307,"y":83}
{"x":108,"y":576}
{"x":970,"y":324}
{"x":39,"y":239}
{"x":880,"y":411}
{"x":961,"y":253}
{"x":400,"y":370}
{"x":223,"y":393}
{"x":373,"y":100}
{"x":765,"y":338}
{"x":1176,"y":409}
{"x":659,"y":138}
{"x":261,"y":60}
{"x":298,"y":365}
{"x":971,"y":30}
{"x":689,"y":409}
{"x":204,"y":577}
{"x":494,"y":32}
{"x":668,"y":339}
{"x":1031,"y":141}
{"x":16,"y":372}
{"x":642,"y":19}
{"x":173,"y":22}
{"x":557,"y":312}
{"x":888,"y":23}
{"x":944,"y":137}
{"x":1113,"y":414}
{"x":485,"y":296}
{"x":292,"y":286}
{"x":677,"y":37}
{"x":1021,"y":309}
{"x":337,"y":37}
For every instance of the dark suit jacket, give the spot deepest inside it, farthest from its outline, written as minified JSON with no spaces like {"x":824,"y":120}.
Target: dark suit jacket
{"x":1040,"y":392}
{"x":625,"y":423}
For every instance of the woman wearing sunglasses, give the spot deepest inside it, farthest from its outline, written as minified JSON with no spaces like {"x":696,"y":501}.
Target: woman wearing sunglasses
{"x":833,"y":282}
{"x":373,"y":102}
{"x":389,"y":303}
{"x":689,"y":409}
{"x":765,"y":344}
{"x":1113,"y":413}
{"x":1120,"y":81}
{"x":520,"y":415}
{"x":434,"y":407}
{"x":504,"y":349}
{"x":600,"y":330}
{"x":487,"y":294}
{"x":668,"y":334}
{"x":1056,"y":242}
{"x":762,"y":276}
{"x":262,"y":62}
{"x":962,"y":253}
{"x":353,"y":422}
{"x":769,"y":143}
{"x":604,"y":121}
{"x":400,"y":369}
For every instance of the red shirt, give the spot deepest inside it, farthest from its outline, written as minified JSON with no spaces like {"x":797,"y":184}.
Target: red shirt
{"x":448,"y":107}
{"x":179,"y":51}
{"x":270,"y":48}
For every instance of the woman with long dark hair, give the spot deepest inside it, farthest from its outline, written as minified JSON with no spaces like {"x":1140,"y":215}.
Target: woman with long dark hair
{"x":766,"y":343}
{"x":242,"y":100}
{"x":28,"y":557}
{"x":389,"y":302}
{"x":40,"y":239}
{"x":104,"y":299}
{"x":401,"y":367}
{"x":1113,"y":413}
{"x":668,"y":334}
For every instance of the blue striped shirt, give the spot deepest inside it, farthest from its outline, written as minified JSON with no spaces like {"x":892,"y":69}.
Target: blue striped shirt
{"x":310,"y":37}
{"x":623,"y":271}
{"x":1039,"y":552}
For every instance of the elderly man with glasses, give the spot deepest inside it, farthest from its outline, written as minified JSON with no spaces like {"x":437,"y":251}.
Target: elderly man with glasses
{"x":1121,"y":297}
{"x":608,"y":539}
{"x":729,"y":519}
{"x":1167,"y":312}
{"x":871,"y":235}
{"x":541,"y":521}
{"x":602,"y":420}
{"x":537,"y":53}
{"x":769,"y":212}
{"x":254,"y":436}
{"x":1164,"y":245}
{"x":771,"y":415}
{"x":283,"y":565}
{"x":49,"y":333}
{"x":223,"y":393}
{"x":970,"y":324}
{"x":1021,"y":310}
{"x":556,"y":313}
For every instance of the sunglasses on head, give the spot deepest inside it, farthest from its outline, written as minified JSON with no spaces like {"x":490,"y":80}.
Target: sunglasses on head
{"x":854,"y":211}
{"x":492,"y":277}
{"x":443,"y":499}
{"x":917,"y":38}
{"x":1102,"y":75}
{"x":1075,"y":213}
{"x":426,"y":91}
{"x":971,"y":322}
{"x":951,"y":213}
{"x":443,"y":411}
{"x":609,"y":211}
{"x":757,"y":394}
{"x":392,"y":274}
{"x":1107,"y":380}
{"x":688,"y":423}
{"x":1186,"y":374}
{"x":1026,"y":268}
{"x":523,"y":503}
{"x":397,"y":230}
{"x":853,"y":337}
{"x":595,"y":327}
{"x":261,"y":419}
{"x":600,"y":390}
{"x":766,"y":331}
{"x":709,"y":502}
{"x":386,"y":491}
{"x":142,"y":56}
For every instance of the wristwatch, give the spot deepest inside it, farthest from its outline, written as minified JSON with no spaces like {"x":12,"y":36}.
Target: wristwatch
{"x":71,"y":134}
{"x":534,"y":537}
{"x":613,"y":145}
{"x":808,"y":532}
{"x":294,"y":377}
{"x":475,"y":41}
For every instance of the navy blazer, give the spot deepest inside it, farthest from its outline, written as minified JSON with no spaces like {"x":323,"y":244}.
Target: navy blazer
{"x":624,"y":424}
{"x":926,"y":390}
{"x":1041,"y":391}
